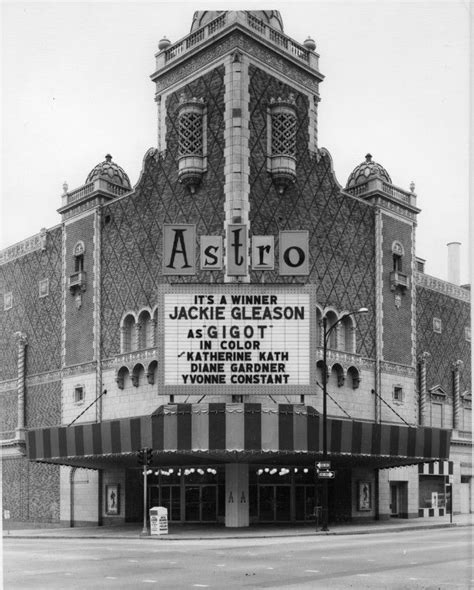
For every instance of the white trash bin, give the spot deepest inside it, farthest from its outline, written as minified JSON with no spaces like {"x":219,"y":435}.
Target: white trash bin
{"x":158,"y":520}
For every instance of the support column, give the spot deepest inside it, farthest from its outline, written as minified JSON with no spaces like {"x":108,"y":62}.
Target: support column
{"x":22,"y":341}
{"x":237,"y":495}
{"x":423,"y":358}
{"x":457,"y":366}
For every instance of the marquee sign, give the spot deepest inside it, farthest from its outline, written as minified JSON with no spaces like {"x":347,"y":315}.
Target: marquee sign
{"x":226,"y":338}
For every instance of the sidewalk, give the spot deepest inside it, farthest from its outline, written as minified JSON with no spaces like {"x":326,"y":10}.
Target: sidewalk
{"x":182,"y":532}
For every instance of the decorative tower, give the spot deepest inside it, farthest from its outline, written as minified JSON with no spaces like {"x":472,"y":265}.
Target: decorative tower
{"x":395,"y":225}
{"x":228,"y":96}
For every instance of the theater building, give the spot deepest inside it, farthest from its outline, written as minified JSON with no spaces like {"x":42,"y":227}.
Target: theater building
{"x":189,"y":314}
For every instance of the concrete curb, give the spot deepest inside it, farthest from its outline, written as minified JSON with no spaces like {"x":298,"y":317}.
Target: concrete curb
{"x":198,"y":537}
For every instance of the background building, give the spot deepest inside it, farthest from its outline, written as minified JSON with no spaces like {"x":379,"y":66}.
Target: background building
{"x":107,"y":316}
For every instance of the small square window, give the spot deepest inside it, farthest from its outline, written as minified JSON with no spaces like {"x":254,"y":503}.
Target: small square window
{"x":437,"y":325}
{"x":79,"y":394}
{"x":467,"y":333}
{"x":398,"y":393}
{"x":44,"y":288}
{"x":7,"y":301}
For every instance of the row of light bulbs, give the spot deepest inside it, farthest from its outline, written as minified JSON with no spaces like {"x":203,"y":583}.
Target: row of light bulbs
{"x":283,"y":471}
{"x":168,"y":472}
{"x":273,"y":471}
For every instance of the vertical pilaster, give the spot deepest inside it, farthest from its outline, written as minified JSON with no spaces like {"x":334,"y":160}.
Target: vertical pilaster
{"x":236,"y":135}
{"x":378,"y":312}
{"x":457,"y":366}
{"x":422,"y":420}
{"x":22,"y":341}
{"x":237,"y":495}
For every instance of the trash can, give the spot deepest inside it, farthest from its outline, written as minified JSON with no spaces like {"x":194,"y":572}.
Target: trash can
{"x":158,"y":520}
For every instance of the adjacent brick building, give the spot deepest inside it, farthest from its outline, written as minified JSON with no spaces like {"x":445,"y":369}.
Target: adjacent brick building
{"x":94,"y":367}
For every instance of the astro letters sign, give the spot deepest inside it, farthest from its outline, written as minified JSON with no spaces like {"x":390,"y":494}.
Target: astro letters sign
{"x":179,"y":251}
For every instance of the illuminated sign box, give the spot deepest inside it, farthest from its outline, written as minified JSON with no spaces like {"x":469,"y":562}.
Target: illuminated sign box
{"x":236,"y":339}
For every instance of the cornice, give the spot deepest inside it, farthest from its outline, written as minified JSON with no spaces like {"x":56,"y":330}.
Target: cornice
{"x":434,"y":284}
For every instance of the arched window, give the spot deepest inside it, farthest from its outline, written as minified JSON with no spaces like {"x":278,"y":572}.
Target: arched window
{"x":145,"y":330}
{"x":319,"y":370}
{"x":122,"y":377}
{"x":319,"y":327}
{"x":397,"y":255}
{"x":347,"y":334}
{"x":138,"y":375}
{"x":128,"y":333}
{"x":331,"y":319}
{"x":151,"y":373}
{"x":338,"y":373}
{"x":354,"y":376}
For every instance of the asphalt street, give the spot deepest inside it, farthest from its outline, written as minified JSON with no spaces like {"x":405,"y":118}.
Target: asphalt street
{"x":437,"y":559}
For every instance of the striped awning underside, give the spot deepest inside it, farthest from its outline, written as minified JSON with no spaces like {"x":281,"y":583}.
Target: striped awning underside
{"x":236,"y":428}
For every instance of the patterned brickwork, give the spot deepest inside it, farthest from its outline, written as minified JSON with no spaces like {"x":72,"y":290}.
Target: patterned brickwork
{"x":450,"y":345}
{"x":341,"y":229}
{"x":39,"y":318}
{"x":8,"y":414}
{"x":43,"y":405}
{"x":397,"y":334}
{"x":30,"y":490}
{"x":79,"y":321}
{"x":132,"y":226}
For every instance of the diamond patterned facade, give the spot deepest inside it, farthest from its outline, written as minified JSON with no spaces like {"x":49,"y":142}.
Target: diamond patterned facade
{"x":253,"y":97}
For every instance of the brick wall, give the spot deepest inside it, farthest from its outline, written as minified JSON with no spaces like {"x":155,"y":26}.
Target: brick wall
{"x":450,"y":345}
{"x":43,"y":405}
{"x":80,"y":322}
{"x":38,"y":317}
{"x":8,"y":413}
{"x":30,"y":490}
{"x":397,"y":321}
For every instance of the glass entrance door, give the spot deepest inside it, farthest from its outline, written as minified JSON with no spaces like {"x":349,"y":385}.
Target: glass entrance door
{"x":274,"y":503}
{"x":200,"y":503}
{"x":170,"y":499}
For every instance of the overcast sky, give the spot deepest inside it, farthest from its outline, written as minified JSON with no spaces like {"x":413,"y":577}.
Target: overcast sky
{"x":76,"y":86}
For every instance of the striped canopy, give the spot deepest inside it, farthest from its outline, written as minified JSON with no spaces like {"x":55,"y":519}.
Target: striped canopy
{"x":187,"y":433}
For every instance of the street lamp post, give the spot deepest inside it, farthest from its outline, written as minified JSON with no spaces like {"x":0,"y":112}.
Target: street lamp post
{"x":326,"y":334}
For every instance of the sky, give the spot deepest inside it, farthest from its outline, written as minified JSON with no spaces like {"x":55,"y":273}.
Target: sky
{"x":76,"y":86}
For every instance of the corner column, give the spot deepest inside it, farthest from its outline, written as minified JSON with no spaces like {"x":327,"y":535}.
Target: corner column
{"x":237,"y":495}
{"x":457,"y":366}
{"x":423,"y":358}
{"x":22,"y":342}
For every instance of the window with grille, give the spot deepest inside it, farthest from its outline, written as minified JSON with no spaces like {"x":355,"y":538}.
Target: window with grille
{"x":190,"y":132}
{"x":283,"y":136}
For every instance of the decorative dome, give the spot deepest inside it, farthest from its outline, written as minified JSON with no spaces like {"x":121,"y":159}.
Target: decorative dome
{"x":367,"y":171}
{"x":271,"y":18}
{"x":111,"y":171}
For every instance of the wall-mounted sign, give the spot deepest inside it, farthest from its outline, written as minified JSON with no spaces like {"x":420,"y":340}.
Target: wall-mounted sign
{"x":237,"y":250}
{"x":211,"y":252}
{"x":263,"y":253}
{"x":236,"y":337}
{"x":179,"y":251}
{"x":294,"y":259}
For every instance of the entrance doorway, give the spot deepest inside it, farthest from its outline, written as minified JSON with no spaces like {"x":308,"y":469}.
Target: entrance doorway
{"x":200,"y":503}
{"x":274,"y":503}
